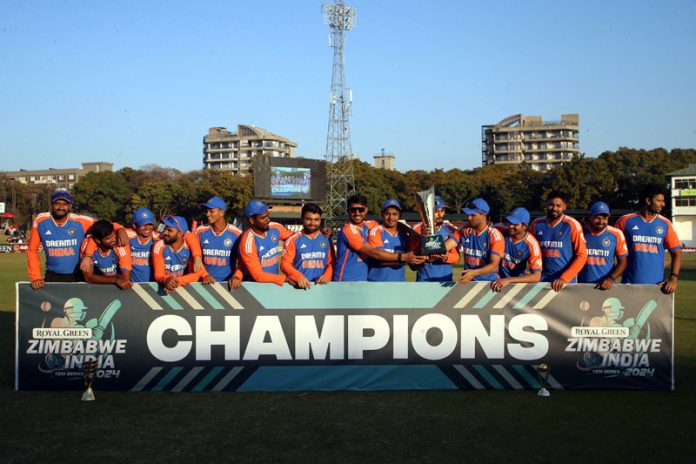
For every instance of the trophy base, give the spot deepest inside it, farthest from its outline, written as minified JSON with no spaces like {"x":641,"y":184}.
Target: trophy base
{"x":88,"y":395}
{"x":433,"y":245}
{"x":544,"y":393}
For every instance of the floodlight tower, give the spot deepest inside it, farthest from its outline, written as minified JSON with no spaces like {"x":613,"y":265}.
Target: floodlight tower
{"x":339,"y":152}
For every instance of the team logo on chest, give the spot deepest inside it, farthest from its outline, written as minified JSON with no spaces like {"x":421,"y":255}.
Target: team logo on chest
{"x":322,"y":244}
{"x":659,"y":230}
{"x":274,"y":238}
{"x":72,"y":231}
{"x":228,"y":242}
{"x":606,"y":243}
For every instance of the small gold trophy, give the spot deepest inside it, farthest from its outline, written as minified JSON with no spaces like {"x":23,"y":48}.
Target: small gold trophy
{"x":89,"y":368}
{"x":543,"y":372}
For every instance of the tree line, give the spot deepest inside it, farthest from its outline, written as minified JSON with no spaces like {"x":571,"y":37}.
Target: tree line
{"x":615,"y":177}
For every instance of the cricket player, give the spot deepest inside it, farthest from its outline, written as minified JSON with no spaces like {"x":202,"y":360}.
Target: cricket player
{"x":438,"y":268}
{"x":110,"y":264}
{"x":607,"y":254}
{"x":521,"y":262}
{"x":648,"y":234}
{"x":219,"y":244}
{"x":388,"y":237}
{"x":483,"y":245}
{"x":171,"y":256}
{"x":141,"y":239}
{"x":260,"y":245}
{"x":61,"y":233}
{"x":308,"y":256}
{"x":563,"y":248}
{"x":353,"y":247}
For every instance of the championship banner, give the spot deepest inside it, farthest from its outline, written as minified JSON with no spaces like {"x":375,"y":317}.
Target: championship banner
{"x":344,"y":336}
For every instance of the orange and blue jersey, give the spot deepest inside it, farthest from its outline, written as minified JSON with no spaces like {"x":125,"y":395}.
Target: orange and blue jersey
{"x":141,"y":253}
{"x":167,"y":262}
{"x":259,"y":254}
{"x":307,"y":256}
{"x":563,"y":248}
{"x":439,"y":271}
{"x":113,"y":262}
{"x":521,"y":257}
{"x":647,"y":241}
{"x":381,"y":239}
{"x":350,"y":264}
{"x":61,"y":243}
{"x":478,"y":249}
{"x":602,"y":249}
{"x":140,"y":257}
{"x":219,"y":250}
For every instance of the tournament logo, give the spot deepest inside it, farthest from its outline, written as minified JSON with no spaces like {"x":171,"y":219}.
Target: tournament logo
{"x":612,"y":344}
{"x":69,"y":337}
{"x":228,"y":242}
{"x":659,"y":230}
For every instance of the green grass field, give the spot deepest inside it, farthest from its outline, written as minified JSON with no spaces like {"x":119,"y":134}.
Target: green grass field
{"x":348,"y":427}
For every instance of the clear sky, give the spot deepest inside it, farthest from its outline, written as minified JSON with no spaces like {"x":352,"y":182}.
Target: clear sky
{"x":139,"y":82}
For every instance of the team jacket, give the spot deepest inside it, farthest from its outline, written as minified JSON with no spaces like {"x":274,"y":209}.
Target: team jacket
{"x":478,"y":249}
{"x":311,"y":257}
{"x":61,"y":243}
{"x":646,"y":243}
{"x":563,"y":248}
{"x":521,"y":257}
{"x":258,"y":254}
{"x":219,"y":251}
{"x":350,"y":265}
{"x":439,"y":271}
{"x":381,"y":239}
{"x":602,"y":248}
{"x":167,"y":261}
{"x":109,"y":264}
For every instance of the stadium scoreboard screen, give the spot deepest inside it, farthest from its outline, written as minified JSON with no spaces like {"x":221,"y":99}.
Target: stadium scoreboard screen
{"x":289,"y":178}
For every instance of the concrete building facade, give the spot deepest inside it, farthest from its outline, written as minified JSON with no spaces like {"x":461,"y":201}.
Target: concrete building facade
{"x":542,"y":144}
{"x":385,"y":161}
{"x":235,"y":152}
{"x":60,"y":178}
{"x":683,"y":193}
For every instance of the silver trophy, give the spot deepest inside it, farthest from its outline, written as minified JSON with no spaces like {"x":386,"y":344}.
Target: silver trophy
{"x":432,"y":244}
{"x":543,"y":372}
{"x":89,"y":369}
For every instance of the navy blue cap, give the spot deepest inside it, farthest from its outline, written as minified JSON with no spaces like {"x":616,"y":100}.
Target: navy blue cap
{"x":391,"y":202}
{"x":255,"y":207}
{"x":439,"y":202}
{"x":143,"y":216}
{"x":62,"y":195}
{"x":518,"y":216}
{"x":600,"y":208}
{"x":479,"y":205}
{"x":215,"y":202}
{"x":176,"y":222}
